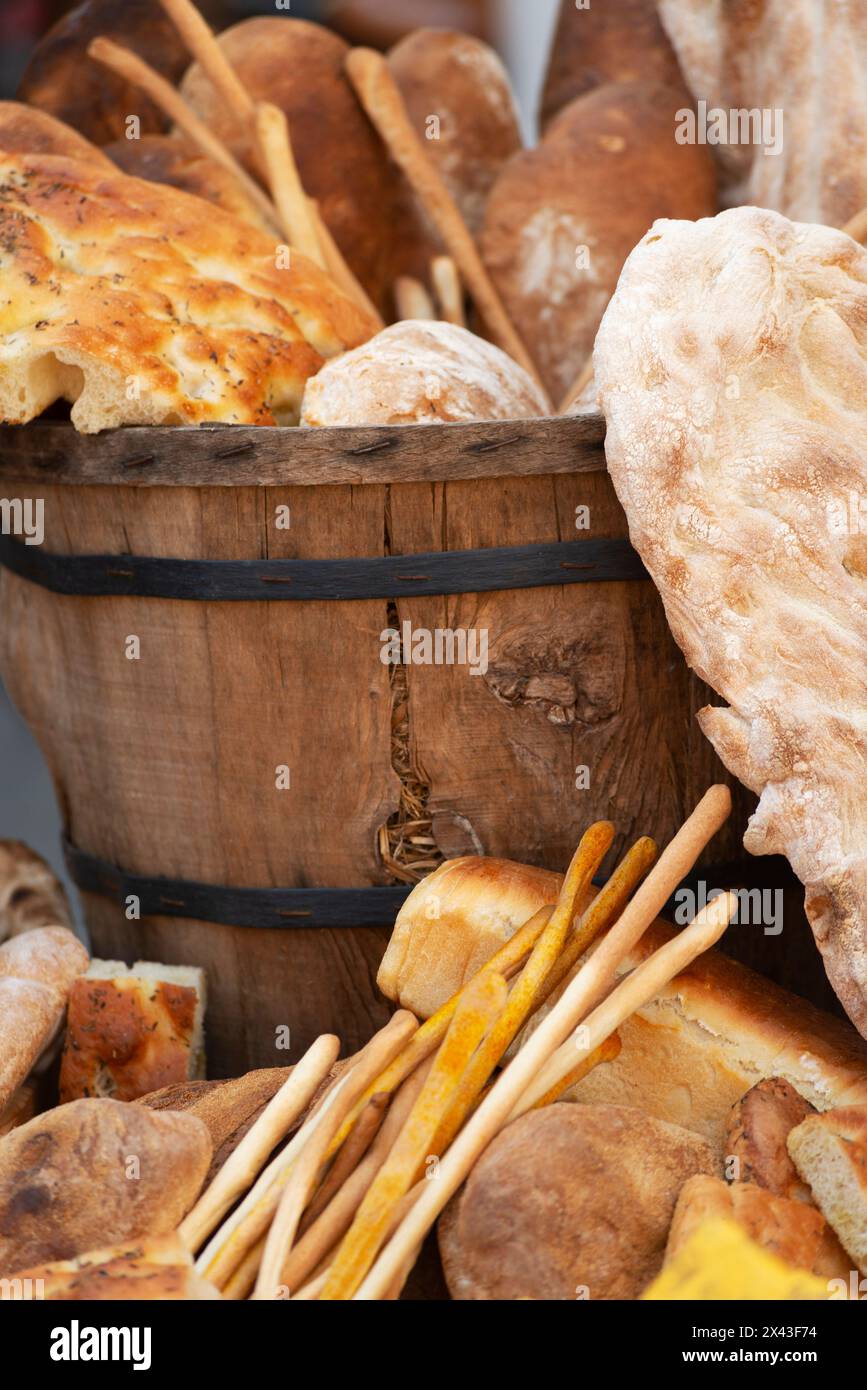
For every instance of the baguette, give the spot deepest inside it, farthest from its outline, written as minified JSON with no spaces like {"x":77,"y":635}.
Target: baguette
{"x":37,"y":969}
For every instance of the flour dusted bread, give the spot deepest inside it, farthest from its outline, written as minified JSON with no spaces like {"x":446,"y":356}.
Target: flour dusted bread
{"x":37,"y":969}
{"x":147,"y":1270}
{"x":31,"y":895}
{"x":830,"y":1153}
{"x":146,"y":306}
{"x":732,"y":369}
{"x":169,"y":159}
{"x":562,"y":218}
{"x":421,"y":373}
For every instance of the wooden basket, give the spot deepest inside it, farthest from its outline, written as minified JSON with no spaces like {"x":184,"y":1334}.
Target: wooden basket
{"x":167,"y":762}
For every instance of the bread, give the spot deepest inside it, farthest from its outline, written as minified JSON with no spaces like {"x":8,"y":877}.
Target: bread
{"x":27,"y":130}
{"x":830,"y":1153}
{"x":93,"y":1173}
{"x":148,"y":1270}
{"x":228,"y":1108}
{"x":37,"y":969}
{"x":793,"y":1231}
{"x":169,"y":159}
{"x":419,"y":372}
{"x":133,"y":1029}
{"x":299,"y":67}
{"x":61,"y":79}
{"x":31,"y":895}
{"x":562,"y":218}
{"x":569,"y":1202}
{"x":731,"y":360}
{"x":801,"y":64}
{"x":621,"y":41}
{"x":720,"y":1263}
{"x":20,"y":1108}
{"x":146,"y":306}
{"x":756,"y":1134}
{"x":687,"y":1056}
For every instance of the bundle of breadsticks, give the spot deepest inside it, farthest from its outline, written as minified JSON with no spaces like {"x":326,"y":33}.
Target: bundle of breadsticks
{"x":341,"y":1209}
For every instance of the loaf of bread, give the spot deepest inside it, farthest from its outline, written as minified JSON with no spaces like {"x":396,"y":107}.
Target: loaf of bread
{"x":170,"y":159}
{"x":133,"y":1029}
{"x":299,"y":67}
{"x":144,"y":305}
{"x":37,"y":969}
{"x":796,"y":1233}
{"x":93,"y":1173}
{"x":420,"y":372}
{"x":31,"y":895}
{"x":830,"y":1153}
{"x":686,"y":1057}
{"x":160,"y":1269}
{"x":27,"y":130}
{"x":758,"y":1128}
{"x":720,"y":1263}
{"x":569,"y":1202}
{"x":562,"y":218}
{"x":63,"y":80}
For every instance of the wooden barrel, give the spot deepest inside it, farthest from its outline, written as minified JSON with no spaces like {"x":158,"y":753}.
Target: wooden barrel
{"x":210,"y":723}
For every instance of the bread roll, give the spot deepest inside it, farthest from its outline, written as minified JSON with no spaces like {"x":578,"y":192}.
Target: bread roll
{"x":62,"y":80}
{"x":562,"y":218}
{"x":37,"y":969}
{"x":27,"y":130}
{"x":619,"y":41}
{"x":796,"y":1233}
{"x":756,"y":1134}
{"x":419,"y":372}
{"x":31,"y":895}
{"x":148,"y":1270}
{"x":830,"y":1153}
{"x":96,"y":1172}
{"x":299,"y":67}
{"x":569,"y":1202}
{"x":169,"y":159}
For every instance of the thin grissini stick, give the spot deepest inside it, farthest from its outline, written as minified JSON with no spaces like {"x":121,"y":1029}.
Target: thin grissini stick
{"x":338,"y":268}
{"x":290,"y":200}
{"x":311,"y":1291}
{"x":332,"y":1224}
{"x":354,"y":1147}
{"x":635,"y":990}
{"x":135,"y":70}
{"x":380,"y":96}
{"x":412,"y":301}
{"x":479,"y":1008}
{"x":606,"y":1052}
{"x":202,"y":45}
{"x":431,"y":1033}
{"x":241,"y":1169}
{"x":320,"y":1130}
{"x":673,"y":865}
{"x":446,"y":279}
{"x":595,"y":844}
{"x":856,"y":228}
{"x":585,"y":376}
{"x":240,"y":1285}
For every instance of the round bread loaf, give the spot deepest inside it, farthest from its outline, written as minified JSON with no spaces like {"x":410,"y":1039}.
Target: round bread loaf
{"x":421,"y":373}
{"x":569,"y":1202}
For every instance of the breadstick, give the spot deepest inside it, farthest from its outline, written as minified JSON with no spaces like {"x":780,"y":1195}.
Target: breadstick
{"x":381,"y":98}
{"x":272,"y":132}
{"x":338,"y":268}
{"x":477,"y":1011}
{"x":356,"y":1145}
{"x":202,"y":45}
{"x":632,"y":992}
{"x":241,"y":1169}
{"x":411,"y":299}
{"x":585,"y":376}
{"x":856,"y":228}
{"x":133,"y":69}
{"x":606,"y":1052}
{"x":673,"y":865}
{"x":446,"y":280}
{"x":595,"y":844}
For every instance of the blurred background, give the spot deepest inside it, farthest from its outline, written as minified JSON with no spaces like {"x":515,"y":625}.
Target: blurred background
{"x":519,"y":29}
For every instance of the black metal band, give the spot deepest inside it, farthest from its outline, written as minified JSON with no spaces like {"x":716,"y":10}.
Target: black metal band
{"x":382,"y":577}
{"x":284,"y":908}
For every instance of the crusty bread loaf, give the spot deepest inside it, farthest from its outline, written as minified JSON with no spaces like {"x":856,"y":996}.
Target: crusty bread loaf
{"x":133,"y":1029}
{"x":619,"y":41}
{"x":37,"y":969}
{"x":562,"y":218}
{"x":299,"y":67}
{"x":145,"y":305}
{"x":830,"y":1153}
{"x":159,"y":1268}
{"x":96,"y":1172}
{"x":796,"y":1233}
{"x":27,"y":130}
{"x":20,"y":1108}
{"x":756,"y":1133}
{"x":420,"y":372}
{"x":569,"y":1202}
{"x":62,"y":79}
{"x":31,"y":895}
{"x":733,"y":357}
{"x":170,"y":159}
